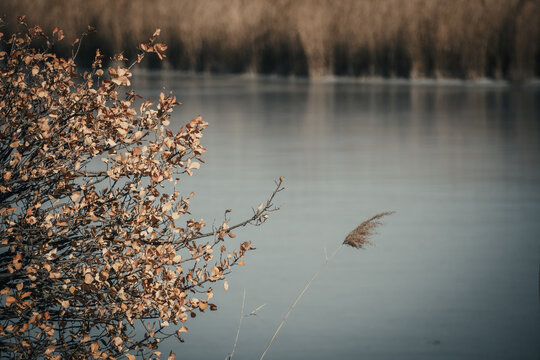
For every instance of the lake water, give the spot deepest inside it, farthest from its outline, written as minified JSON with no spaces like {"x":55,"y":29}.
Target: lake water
{"x":454,"y":273}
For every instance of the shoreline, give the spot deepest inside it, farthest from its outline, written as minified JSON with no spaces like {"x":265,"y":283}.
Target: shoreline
{"x":368,"y":80}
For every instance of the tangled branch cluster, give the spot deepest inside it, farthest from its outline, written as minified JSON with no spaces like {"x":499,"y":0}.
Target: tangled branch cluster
{"x":92,"y":246}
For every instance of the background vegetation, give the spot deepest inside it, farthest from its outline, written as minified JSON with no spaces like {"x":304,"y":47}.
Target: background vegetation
{"x":391,"y":38}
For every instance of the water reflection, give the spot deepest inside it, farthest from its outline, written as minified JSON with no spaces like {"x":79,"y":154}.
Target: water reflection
{"x":457,"y":264}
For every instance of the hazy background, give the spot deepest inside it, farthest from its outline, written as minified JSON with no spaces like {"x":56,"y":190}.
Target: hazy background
{"x":390,"y":38}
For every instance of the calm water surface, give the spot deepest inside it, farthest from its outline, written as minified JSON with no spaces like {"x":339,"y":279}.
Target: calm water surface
{"x":454,"y":273}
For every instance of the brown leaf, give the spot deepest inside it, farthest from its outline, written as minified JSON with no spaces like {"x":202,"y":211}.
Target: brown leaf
{"x":88,"y":278}
{"x":10,"y":300}
{"x":76,"y":196}
{"x":17,"y":261}
{"x":50,"y":349}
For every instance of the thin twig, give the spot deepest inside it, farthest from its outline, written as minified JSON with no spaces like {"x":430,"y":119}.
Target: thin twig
{"x":254,"y":312}
{"x":74,"y":55}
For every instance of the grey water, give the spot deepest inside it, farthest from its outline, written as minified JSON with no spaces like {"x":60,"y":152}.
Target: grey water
{"x":454,"y":273}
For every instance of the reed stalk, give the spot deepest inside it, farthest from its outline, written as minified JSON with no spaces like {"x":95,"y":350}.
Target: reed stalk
{"x":358,"y":239}
{"x":230,"y":356}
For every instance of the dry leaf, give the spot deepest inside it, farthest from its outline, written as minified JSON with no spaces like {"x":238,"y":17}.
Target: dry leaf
{"x":88,"y":278}
{"x":10,"y":300}
{"x":76,"y":196}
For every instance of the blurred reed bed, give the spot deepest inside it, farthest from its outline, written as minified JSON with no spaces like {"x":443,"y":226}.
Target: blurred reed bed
{"x":390,"y":38}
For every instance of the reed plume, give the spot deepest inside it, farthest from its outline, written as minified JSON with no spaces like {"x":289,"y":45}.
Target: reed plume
{"x":359,"y":237}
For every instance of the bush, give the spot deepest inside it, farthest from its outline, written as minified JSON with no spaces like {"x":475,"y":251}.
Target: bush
{"x":94,"y":262}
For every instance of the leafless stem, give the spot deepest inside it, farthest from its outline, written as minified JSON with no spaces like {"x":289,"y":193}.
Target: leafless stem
{"x":298,"y":299}
{"x":229,"y":357}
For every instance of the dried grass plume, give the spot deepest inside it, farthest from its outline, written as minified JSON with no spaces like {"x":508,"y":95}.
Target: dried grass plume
{"x":359,"y":237}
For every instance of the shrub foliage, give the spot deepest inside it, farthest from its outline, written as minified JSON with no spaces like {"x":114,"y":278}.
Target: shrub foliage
{"x":97,"y":258}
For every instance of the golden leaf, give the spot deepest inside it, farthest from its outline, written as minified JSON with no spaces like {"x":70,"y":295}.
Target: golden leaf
{"x":10,"y":300}
{"x":50,"y":349}
{"x":17,"y":261}
{"x":76,"y":196}
{"x":88,"y":279}
{"x":167,"y":206}
{"x":226,"y":285}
